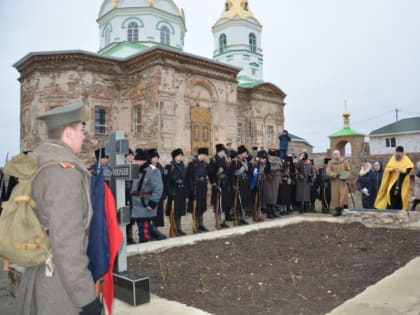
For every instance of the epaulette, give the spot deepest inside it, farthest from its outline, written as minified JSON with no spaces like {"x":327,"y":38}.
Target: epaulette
{"x":66,"y":165}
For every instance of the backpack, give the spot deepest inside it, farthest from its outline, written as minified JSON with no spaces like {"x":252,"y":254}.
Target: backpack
{"x":23,"y":240}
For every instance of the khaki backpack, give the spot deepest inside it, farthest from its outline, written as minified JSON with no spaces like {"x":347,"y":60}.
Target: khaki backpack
{"x":23,"y":241}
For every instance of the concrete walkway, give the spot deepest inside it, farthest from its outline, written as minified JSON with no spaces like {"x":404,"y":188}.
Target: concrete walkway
{"x":396,"y":294}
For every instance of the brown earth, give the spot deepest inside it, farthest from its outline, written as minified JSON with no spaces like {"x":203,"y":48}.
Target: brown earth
{"x":308,"y":268}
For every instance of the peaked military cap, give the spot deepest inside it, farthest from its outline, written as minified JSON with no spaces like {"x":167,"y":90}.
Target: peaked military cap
{"x":203,"y":151}
{"x":64,"y":115}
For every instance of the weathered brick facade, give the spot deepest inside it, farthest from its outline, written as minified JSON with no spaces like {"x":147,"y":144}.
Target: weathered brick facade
{"x":167,"y":87}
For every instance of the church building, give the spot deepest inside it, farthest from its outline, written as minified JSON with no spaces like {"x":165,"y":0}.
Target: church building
{"x":142,"y":82}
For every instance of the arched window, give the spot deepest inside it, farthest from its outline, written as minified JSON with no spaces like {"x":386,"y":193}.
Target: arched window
{"x":107,"y":36}
{"x":165,"y":37}
{"x":133,"y":32}
{"x":252,"y":43}
{"x":222,"y":43}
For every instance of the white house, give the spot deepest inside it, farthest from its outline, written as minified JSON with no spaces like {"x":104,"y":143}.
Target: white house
{"x":404,"y":132}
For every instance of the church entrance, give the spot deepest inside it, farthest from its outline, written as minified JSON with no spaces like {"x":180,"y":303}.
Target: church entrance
{"x":200,"y":128}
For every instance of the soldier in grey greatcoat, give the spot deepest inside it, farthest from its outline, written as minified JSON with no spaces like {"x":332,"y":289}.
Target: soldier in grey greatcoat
{"x":62,"y":195}
{"x":146,"y":192}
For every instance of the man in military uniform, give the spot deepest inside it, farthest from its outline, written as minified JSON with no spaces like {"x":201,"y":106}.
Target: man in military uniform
{"x":196,"y":179}
{"x":324,"y":186}
{"x":284,"y":199}
{"x":257,"y":184}
{"x":62,"y":196}
{"x":222,"y":193}
{"x":128,"y":159}
{"x":273,"y":172}
{"x":176,"y":189}
{"x":159,"y":220}
{"x":241,"y":171}
{"x":304,"y":178}
{"x":145,"y":195}
{"x":338,"y":171}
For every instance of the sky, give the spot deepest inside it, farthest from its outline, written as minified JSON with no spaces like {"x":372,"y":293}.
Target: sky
{"x":320,"y":53}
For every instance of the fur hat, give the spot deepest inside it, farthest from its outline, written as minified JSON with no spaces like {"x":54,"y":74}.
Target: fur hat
{"x":101,"y":152}
{"x":130,"y":152}
{"x":141,"y":155}
{"x":220,"y":147}
{"x":177,"y":152}
{"x":262,"y":154}
{"x":400,"y":148}
{"x":272,"y":152}
{"x":153,"y":153}
{"x":203,"y":151}
{"x":242,"y":149}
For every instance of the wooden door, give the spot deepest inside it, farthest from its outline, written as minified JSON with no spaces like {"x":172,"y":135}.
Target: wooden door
{"x":200,"y":128}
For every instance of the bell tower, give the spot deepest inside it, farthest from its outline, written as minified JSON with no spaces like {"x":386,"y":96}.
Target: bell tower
{"x":237,"y":41}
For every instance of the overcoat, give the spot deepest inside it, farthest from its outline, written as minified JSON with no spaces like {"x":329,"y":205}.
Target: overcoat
{"x":417,"y":186}
{"x":273,"y":177}
{"x":304,"y":180}
{"x":146,"y":191}
{"x":62,"y":196}
{"x":339,"y":190}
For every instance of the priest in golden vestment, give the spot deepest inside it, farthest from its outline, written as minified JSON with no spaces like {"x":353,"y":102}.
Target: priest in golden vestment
{"x":393,"y":193}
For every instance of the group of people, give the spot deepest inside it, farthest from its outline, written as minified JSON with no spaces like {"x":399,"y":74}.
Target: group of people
{"x":242,"y":186}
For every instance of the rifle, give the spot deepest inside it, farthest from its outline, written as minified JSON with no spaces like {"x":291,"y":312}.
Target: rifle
{"x":194,"y":211}
{"x":235,"y":204}
{"x":217,"y":205}
{"x":172,"y":232}
{"x":351,"y":195}
{"x":3,"y":178}
{"x":256,"y":203}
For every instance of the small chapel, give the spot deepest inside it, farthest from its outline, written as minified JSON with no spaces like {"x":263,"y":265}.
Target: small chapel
{"x":141,"y":81}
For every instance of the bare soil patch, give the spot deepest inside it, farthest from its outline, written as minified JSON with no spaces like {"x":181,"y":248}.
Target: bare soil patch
{"x":308,"y":268}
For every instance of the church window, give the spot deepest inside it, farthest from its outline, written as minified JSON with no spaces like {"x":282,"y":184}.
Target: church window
{"x":107,"y":37}
{"x":239,"y":133}
{"x":390,"y":142}
{"x":133,"y":32}
{"x":269,"y":135}
{"x":252,"y":43}
{"x":165,"y":37}
{"x":222,"y":43}
{"x":100,"y":120}
{"x":137,"y":119}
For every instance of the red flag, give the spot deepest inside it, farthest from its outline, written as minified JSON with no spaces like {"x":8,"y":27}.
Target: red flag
{"x":115,"y":238}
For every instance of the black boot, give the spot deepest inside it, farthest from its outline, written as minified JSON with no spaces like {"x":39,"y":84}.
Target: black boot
{"x":129,"y":233}
{"x":273,"y":212}
{"x":201,"y":227}
{"x":302,"y":208}
{"x":157,"y":235}
{"x":337,"y":212}
{"x":269,"y":213}
{"x":179,"y":231}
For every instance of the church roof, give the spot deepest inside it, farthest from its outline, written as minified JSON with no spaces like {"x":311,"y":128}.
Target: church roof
{"x":236,"y":9}
{"x":156,"y":50}
{"x":405,"y":125}
{"x":299,"y":139}
{"x":346,"y":131}
{"x":168,"y":6}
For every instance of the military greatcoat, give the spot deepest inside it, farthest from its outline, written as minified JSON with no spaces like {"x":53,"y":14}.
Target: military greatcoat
{"x":62,"y":196}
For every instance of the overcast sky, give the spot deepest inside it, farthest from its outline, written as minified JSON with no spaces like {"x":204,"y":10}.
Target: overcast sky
{"x":319,"y":52}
